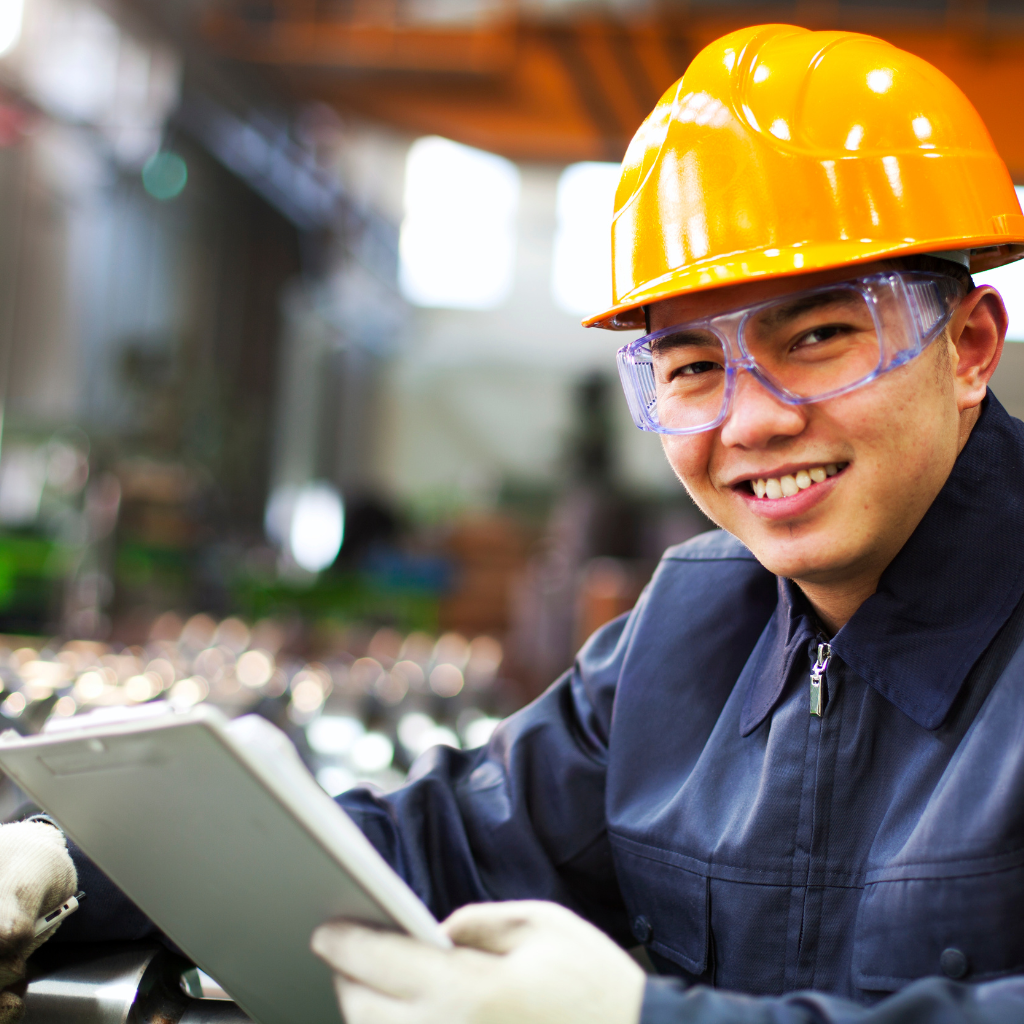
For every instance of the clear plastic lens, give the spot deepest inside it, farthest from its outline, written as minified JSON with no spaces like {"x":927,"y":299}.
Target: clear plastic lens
{"x":803,"y":348}
{"x":817,"y":344}
{"x":667,"y":397}
{"x":689,"y":378}
{"x":929,"y":302}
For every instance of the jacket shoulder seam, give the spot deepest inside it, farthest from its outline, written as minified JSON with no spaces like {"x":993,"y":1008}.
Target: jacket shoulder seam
{"x":709,"y":558}
{"x":711,"y":546}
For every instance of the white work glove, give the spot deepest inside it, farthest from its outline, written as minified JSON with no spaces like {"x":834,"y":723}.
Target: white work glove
{"x":523,"y":962}
{"x":36,"y":876}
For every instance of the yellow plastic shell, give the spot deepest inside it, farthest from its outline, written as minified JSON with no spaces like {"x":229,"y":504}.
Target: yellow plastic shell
{"x":783,"y":151}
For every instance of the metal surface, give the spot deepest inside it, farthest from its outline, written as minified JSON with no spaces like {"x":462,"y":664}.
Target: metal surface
{"x":110,"y":983}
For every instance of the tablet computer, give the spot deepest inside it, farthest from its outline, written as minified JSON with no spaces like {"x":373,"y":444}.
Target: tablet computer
{"x":220,"y":834}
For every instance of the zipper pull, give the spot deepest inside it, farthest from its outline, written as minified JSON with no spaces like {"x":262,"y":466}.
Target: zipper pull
{"x":818,"y":692}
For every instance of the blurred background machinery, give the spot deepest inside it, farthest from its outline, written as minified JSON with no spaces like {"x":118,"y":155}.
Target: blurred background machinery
{"x":296,"y":414}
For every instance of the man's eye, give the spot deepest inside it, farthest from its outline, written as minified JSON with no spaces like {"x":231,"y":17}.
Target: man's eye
{"x":824,"y":333}
{"x":691,"y":369}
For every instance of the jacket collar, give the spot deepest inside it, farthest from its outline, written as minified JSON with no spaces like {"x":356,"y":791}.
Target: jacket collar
{"x":785,"y":643}
{"x":942,"y":599}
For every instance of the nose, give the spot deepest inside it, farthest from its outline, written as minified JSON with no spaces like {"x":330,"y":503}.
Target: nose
{"x":757,"y":417}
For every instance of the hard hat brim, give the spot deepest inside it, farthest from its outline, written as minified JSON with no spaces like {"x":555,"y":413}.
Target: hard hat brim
{"x":794,"y":261}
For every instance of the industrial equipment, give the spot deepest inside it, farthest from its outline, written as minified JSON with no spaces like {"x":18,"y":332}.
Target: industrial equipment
{"x":117,"y":983}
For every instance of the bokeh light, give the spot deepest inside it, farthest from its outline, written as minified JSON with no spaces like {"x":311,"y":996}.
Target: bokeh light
{"x":165,"y":175}
{"x":335,"y":780}
{"x":308,"y":523}
{"x":479,"y":731}
{"x":334,"y":734}
{"x":446,"y":680}
{"x":372,"y":752}
{"x":354,"y":720}
{"x":13,"y":705}
{"x":317,"y":527}
{"x":254,"y":668}
{"x":189,"y":692}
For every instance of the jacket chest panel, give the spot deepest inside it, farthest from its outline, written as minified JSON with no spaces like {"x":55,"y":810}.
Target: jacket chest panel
{"x":798,"y":856}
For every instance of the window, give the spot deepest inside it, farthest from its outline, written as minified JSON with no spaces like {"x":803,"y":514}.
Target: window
{"x":457,"y":245}
{"x":581,"y":272}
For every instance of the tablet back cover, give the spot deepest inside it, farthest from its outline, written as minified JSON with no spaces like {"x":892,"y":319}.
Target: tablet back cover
{"x":194,"y":838}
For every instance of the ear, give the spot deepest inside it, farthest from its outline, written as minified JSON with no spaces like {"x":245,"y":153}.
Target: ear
{"x":977,"y":331}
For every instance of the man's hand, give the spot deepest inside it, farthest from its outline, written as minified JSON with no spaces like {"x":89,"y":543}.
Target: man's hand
{"x":522,"y":962}
{"x":36,"y":875}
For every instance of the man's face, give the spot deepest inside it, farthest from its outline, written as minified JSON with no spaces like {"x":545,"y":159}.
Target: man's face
{"x":893,"y":442}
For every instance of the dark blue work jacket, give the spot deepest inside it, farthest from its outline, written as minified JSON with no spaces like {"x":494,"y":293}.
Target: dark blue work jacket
{"x":673,"y":787}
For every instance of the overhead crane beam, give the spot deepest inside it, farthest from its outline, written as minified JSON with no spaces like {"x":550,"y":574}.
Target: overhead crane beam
{"x":576,"y":88}
{"x":343,"y":46}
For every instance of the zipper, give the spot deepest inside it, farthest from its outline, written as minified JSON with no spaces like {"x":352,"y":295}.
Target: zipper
{"x":819,"y":693}
{"x":814,"y":814}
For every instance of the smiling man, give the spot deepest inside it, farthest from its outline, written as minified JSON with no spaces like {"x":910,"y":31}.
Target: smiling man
{"x":794,"y":773}
{"x":825,"y":491}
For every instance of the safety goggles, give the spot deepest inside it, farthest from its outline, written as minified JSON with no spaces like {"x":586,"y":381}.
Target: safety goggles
{"x":802,"y":347}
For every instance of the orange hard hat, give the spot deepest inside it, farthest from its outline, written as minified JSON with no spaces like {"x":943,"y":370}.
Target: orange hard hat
{"x":783,"y":151}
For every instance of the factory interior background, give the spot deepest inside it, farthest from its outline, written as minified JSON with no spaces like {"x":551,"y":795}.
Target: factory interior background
{"x":297,"y":412}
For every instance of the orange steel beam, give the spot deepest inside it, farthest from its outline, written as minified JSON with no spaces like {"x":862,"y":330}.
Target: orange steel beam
{"x":578,"y":88}
{"x":306,"y":43}
{"x":535,"y":114}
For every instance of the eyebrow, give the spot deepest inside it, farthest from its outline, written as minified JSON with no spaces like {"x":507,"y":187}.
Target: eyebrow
{"x":778,"y":316}
{"x":682,"y":338}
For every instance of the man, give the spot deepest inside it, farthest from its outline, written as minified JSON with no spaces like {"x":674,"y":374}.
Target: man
{"x":795,"y":772}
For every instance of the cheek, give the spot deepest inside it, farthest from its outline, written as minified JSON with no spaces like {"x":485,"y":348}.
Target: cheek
{"x":690,"y":458}
{"x":902,"y":430}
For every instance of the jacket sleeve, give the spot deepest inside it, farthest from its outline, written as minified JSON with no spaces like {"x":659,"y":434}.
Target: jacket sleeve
{"x":928,"y":1001}
{"x":107,"y":915}
{"x":523,"y":817}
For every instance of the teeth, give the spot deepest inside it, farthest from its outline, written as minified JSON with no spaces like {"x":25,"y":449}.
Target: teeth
{"x":787,"y":486}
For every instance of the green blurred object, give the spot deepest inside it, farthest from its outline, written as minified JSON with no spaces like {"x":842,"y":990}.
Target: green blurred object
{"x":165,"y":175}
{"x":346,"y":596}
{"x":30,"y":571}
{"x":153,"y":574}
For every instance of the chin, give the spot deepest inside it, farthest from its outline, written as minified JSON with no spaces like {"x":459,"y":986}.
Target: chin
{"x":806,"y":559}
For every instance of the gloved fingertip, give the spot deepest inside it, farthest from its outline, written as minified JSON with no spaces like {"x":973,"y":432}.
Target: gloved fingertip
{"x":327,"y":938}
{"x":317,"y":941}
{"x":16,"y":932}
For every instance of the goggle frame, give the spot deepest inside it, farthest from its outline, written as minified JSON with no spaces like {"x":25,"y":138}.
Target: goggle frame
{"x":904,"y":286}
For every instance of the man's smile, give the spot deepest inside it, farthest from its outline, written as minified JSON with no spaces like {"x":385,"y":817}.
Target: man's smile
{"x":788,"y":484}
{"x":784,"y":492}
